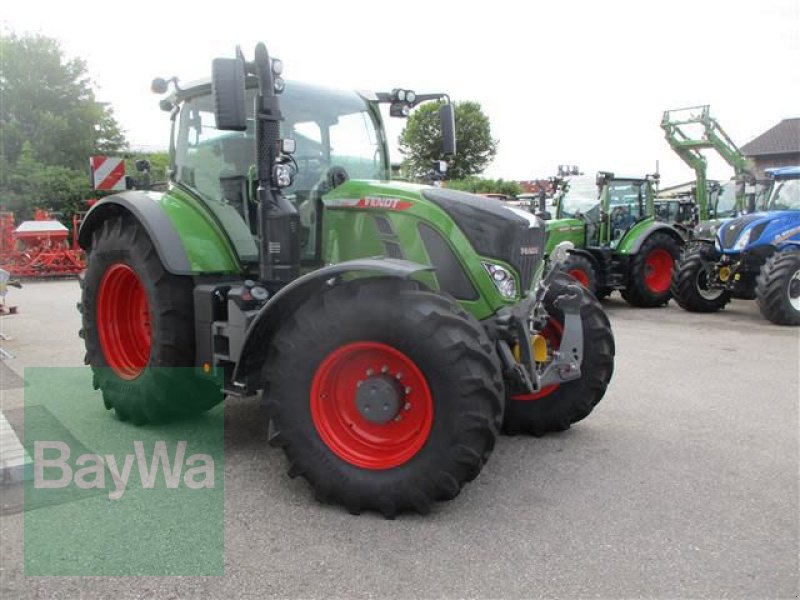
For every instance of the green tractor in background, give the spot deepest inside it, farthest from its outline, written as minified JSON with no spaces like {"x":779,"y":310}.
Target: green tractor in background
{"x":619,"y":242}
{"x":391,"y":329}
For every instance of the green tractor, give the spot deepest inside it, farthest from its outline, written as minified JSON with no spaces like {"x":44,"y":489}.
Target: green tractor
{"x":392,"y":329}
{"x":619,"y":243}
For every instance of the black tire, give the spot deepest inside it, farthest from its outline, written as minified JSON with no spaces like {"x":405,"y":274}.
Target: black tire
{"x":167,"y":387}
{"x":777,"y":285}
{"x":451,"y":351}
{"x":639,"y":292}
{"x":582,"y":270}
{"x":689,"y":280}
{"x":569,"y":402}
{"x":602,"y":293}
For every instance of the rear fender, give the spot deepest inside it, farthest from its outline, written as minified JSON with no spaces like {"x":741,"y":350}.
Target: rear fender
{"x":162,"y":232}
{"x":633,"y":240}
{"x":187,"y":238}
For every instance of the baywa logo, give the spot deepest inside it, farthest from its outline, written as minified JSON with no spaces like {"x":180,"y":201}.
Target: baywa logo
{"x":52,"y":468}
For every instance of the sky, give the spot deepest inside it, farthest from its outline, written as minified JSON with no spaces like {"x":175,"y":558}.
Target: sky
{"x":563,"y":82}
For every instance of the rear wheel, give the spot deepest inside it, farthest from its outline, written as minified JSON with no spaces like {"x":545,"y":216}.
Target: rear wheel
{"x":556,"y":407}
{"x":138,"y":329}
{"x":581,"y":269}
{"x":690,"y":281}
{"x":385,"y":406}
{"x":778,"y":288}
{"x":651,"y":271}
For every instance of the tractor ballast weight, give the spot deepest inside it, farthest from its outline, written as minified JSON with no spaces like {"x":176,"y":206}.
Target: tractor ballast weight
{"x":391,"y":328}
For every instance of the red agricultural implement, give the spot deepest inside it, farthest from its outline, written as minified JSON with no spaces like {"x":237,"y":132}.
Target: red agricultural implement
{"x":39,"y":248}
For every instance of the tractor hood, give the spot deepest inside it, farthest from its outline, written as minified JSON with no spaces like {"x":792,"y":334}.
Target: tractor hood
{"x":492,"y":229}
{"x":759,"y":229}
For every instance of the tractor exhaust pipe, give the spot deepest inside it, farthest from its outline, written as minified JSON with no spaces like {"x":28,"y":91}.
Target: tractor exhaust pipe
{"x":278,"y":221}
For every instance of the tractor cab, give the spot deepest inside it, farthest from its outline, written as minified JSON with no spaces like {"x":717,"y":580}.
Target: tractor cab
{"x":624,"y":202}
{"x":333,"y":136}
{"x":326,"y":138}
{"x":603,"y":208}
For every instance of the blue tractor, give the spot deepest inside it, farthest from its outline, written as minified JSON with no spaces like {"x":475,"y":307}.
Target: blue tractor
{"x":755,"y":255}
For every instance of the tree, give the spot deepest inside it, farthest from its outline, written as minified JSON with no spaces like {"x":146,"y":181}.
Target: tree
{"x":49,"y":102}
{"x":421,"y":141}
{"x":51,"y":123}
{"x":478,"y":185}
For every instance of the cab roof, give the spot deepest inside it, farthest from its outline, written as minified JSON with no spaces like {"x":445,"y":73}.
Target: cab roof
{"x":784,"y":172}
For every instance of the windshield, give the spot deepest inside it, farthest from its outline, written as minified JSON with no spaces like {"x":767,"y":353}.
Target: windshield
{"x":581,"y":197}
{"x":330,"y":128}
{"x":785,"y":195}
{"x":726,"y":201}
{"x":624,"y":199}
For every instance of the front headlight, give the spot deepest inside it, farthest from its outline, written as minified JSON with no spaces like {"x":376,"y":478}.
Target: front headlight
{"x":742,"y":241}
{"x":503,"y":280}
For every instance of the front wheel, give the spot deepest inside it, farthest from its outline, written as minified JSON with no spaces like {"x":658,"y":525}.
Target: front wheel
{"x":690,"y":286}
{"x":778,"y":288}
{"x":582,"y":270}
{"x":556,"y":407}
{"x":384,"y":397}
{"x":650,"y":271}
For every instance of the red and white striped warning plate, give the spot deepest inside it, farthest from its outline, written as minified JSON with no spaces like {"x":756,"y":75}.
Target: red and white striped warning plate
{"x":107,"y":173}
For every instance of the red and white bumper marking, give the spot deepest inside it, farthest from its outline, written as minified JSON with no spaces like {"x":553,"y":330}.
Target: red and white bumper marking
{"x":107,"y":173}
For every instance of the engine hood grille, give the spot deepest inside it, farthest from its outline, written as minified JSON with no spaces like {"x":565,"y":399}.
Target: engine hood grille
{"x":495,"y":230}
{"x":729,"y":232}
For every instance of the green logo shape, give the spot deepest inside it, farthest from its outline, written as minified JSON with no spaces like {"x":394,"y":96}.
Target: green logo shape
{"x":105,"y":497}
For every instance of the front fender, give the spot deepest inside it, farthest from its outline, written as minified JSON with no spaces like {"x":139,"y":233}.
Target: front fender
{"x":283,"y":304}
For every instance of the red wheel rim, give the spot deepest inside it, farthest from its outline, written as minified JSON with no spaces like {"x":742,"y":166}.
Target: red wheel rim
{"x":552,"y":333}
{"x":339,"y":422}
{"x":581,"y":276}
{"x":658,"y":270}
{"x":123,"y":321}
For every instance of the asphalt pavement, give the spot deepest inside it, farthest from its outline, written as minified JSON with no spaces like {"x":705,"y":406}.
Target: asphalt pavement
{"x":682,"y":483}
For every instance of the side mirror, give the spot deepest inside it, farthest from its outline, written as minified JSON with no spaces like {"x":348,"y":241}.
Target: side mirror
{"x":159,"y":85}
{"x":448,"y":117}
{"x":227,"y":87}
{"x":541,"y":203}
